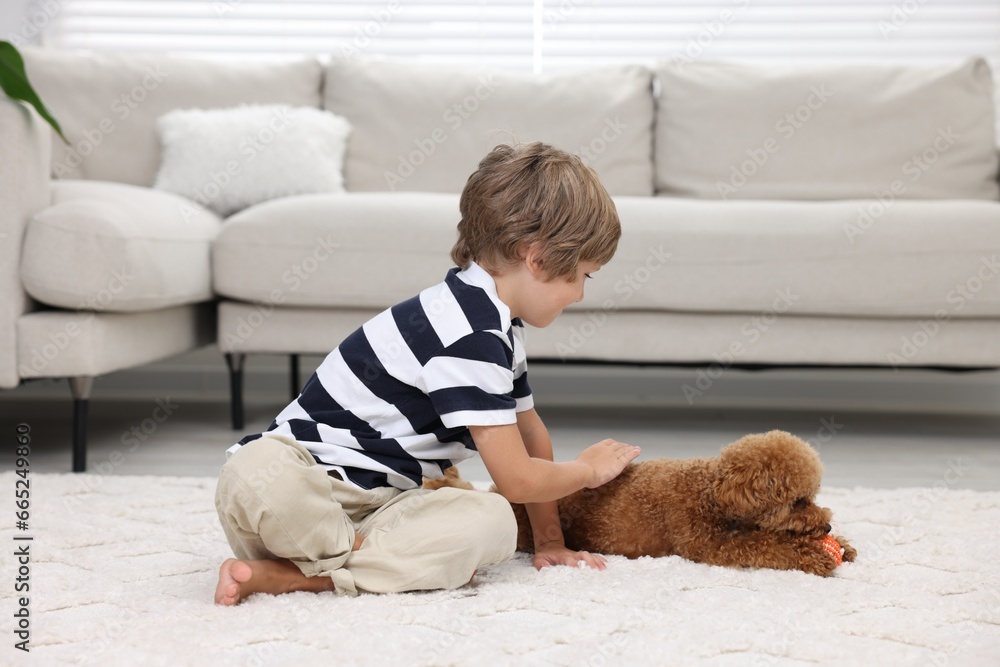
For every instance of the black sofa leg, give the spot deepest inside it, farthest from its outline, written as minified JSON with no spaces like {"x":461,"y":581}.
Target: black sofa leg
{"x":80,"y":387}
{"x":294,"y":375}
{"x":234,"y":360}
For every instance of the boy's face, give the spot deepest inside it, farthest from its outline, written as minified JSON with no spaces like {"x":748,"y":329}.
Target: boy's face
{"x":548,"y":299}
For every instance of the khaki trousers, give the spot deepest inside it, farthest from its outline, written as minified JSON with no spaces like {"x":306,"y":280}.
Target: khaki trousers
{"x":274,"y":501}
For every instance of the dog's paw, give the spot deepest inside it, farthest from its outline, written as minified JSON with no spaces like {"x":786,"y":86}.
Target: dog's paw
{"x":850,"y":553}
{"x":815,"y":559}
{"x":450,"y":479}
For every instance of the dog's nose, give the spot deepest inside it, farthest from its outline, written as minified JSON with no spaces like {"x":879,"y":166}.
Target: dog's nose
{"x":827,"y":528}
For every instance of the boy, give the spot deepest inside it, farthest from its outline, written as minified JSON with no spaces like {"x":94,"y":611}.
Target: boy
{"x":329,"y":497}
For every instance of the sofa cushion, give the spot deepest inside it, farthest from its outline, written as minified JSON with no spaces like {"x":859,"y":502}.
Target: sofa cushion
{"x":353,"y":249}
{"x":114,"y":247}
{"x":850,"y":258}
{"x":426,"y":127}
{"x":108,"y":104}
{"x":729,"y":131}
{"x":229,"y":159}
{"x":367,"y":250}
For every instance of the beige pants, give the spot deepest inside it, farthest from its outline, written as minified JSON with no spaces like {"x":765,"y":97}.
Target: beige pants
{"x":275,"y":502}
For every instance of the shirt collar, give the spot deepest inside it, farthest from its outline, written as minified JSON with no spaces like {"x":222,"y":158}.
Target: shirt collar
{"x":478,"y":276}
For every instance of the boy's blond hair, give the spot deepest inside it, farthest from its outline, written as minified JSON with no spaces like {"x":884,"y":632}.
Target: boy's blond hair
{"x":533,"y":193}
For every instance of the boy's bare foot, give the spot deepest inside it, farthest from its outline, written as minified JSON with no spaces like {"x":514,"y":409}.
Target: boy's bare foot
{"x":239,"y":579}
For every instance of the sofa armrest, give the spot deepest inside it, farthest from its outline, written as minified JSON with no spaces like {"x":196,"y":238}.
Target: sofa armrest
{"x":24,"y":190}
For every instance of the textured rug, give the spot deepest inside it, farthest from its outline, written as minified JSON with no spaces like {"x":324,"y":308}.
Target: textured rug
{"x":122,"y":571}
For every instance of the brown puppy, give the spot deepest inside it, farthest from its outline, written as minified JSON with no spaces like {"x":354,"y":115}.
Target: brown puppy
{"x":752,"y":506}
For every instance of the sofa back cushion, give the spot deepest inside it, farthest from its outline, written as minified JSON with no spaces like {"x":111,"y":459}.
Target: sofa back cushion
{"x":425,"y":128}
{"x":107,"y":104}
{"x":728,"y":131}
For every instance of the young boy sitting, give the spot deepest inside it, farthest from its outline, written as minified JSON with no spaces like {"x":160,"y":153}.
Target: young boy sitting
{"x":330,"y":497}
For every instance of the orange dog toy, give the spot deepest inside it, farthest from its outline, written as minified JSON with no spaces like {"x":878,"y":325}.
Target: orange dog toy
{"x":832,"y":547}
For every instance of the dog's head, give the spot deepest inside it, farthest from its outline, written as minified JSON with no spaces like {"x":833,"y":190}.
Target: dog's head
{"x":769,"y":482}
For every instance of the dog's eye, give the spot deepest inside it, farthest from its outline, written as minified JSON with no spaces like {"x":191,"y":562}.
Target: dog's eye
{"x":801,"y":503}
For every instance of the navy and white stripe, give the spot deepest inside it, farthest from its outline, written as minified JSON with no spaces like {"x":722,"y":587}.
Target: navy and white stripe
{"x":393,"y":402}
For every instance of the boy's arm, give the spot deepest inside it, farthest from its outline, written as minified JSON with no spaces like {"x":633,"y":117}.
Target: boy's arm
{"x":546,"y":527}
{"x":523,"y":479}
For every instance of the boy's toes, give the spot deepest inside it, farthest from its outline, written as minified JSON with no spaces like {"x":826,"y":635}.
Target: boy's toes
{"x":232,"y":574}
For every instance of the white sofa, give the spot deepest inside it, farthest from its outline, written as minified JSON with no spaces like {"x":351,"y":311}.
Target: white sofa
{"x":822,"y":216}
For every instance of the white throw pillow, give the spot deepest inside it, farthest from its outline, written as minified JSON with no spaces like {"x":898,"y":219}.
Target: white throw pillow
{"x":229,"y":159}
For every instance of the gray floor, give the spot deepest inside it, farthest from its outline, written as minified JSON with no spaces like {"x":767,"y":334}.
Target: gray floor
{"x":871,"y":450}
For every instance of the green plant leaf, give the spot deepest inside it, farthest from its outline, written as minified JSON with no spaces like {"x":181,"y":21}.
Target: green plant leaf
{"x":14,"y":82}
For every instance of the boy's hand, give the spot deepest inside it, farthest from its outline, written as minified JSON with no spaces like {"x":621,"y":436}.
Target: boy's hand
{"x":607,"y":459}
{"x":557,"y":554}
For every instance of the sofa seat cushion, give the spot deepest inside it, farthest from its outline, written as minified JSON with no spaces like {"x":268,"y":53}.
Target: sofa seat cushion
{"x":369,"y":250}
{"x":351,"y":249}
{"x":852,"y":258}
{"x":421,"y":127}
{"x":120,"y":248}
{"x":735,"y":131}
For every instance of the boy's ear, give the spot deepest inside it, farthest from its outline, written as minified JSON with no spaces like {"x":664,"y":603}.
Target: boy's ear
{"x":534,"y":261}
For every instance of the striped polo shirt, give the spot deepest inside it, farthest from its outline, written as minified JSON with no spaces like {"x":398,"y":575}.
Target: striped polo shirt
{"x":393,"y":402}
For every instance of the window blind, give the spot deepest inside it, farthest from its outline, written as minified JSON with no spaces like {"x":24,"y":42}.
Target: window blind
{"x":541,"y":35}
{"x":768,"y":32}
{"x":495,"y":33}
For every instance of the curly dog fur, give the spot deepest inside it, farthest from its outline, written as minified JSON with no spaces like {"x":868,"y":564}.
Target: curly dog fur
{"x":751,"y":506}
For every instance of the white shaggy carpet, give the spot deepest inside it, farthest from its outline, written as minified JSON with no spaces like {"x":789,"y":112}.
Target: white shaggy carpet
{"x":123,"y":570}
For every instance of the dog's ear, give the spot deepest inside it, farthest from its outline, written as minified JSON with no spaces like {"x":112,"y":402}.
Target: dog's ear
{"x":741,"y":484}
{"x":759,"y":471}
